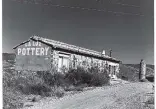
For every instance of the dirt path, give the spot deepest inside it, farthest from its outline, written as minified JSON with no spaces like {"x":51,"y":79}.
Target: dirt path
{"x":123,"y":96}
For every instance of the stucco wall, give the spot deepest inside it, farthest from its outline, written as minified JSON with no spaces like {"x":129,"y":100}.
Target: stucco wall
{"x":36,"y":59}
{"x":47,"y":59}
{"x":76,"y":60}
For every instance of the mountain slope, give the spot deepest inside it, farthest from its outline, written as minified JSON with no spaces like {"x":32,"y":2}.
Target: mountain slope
{"x":130,"y":72}
{"x":8,"y":56}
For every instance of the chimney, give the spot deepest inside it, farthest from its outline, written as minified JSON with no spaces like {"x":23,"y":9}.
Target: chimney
{"x":103,"y":52}
{"x":110,"y":52}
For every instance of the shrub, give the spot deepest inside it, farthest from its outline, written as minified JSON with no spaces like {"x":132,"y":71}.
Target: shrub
{"x":51,"y":79}
{"x":77,"y":88}
{"x":80,"y":76}
{"x":36,"y":89}
{"x":18,"y":84}
{"x":59,"y":79}
{"x":99,"y":79}
{"x":12,"y":99}
{"x":58,"y":92}
{"x":93,"y":70}
{"x":150,"y":100}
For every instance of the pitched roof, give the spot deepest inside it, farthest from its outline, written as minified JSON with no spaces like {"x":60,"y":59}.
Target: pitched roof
{"x":65,"y":46}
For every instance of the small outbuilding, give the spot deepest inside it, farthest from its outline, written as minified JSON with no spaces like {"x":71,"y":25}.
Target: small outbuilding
{"x":42,"y":54}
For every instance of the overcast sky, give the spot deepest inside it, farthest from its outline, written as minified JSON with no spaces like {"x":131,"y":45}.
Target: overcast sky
{"x":131,"y":37}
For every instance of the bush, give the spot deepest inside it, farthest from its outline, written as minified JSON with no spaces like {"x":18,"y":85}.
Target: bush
{"x":36,"y":89}
{"x":99,"y":79}
{"x":19,"y":84}
{"x":77,"y":88}
{"x":51,"y":79}
{"x":80,"y":76}
{"x":16,"y":85}
{"x":58,"y":91}
{"x":93,"y":70}
{"x":12,"y":99}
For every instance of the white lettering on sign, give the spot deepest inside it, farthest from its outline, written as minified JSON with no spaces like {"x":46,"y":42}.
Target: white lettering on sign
{"x":35,"y":44}
{"x":47,"y":50}
{"x":33,"y":51}
{"x":42,"y":51}
{"x":28,"y":49}
{"x":24,"y":51}
{"x":19,"y":51}
{"x":33,"y":48}
{"x":37,"y":51}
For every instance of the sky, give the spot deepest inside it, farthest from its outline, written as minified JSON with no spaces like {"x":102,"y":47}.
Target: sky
{"x":130,"y":36}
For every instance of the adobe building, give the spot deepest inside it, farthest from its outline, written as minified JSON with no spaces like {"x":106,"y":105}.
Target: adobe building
{"x":41,"y":54}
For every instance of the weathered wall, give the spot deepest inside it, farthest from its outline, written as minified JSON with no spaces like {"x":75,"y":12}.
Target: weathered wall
{"x":54,"y":61}
{"x":33,"y":56}
{"x":41,"y":57}
{"x":76,"y":60}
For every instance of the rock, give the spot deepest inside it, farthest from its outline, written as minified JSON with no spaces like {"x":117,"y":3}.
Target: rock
{"x":34,"y":98}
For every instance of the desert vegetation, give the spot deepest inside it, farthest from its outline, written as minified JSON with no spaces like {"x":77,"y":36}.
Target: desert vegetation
{"x":17,"y":86}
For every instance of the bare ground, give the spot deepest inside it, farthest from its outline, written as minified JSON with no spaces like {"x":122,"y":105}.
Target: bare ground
{"x":121,"y":96}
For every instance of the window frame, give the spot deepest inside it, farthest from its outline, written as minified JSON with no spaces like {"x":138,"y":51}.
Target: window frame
{"x":63,"y":56}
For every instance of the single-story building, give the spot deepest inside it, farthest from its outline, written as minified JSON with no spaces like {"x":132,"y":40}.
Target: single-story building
{"x":42,"y":54}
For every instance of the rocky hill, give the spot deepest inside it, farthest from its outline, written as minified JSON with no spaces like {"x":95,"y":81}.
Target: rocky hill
{"x":8,"y":56}
{"x":131,"y":71}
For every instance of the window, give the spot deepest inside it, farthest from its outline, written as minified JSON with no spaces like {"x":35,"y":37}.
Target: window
{"x":63,"y":62}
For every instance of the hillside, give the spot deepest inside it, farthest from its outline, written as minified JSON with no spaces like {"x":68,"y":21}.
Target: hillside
{"x":8,"y":56}
{"x":149,"y":68}
{"x":130,"y":72}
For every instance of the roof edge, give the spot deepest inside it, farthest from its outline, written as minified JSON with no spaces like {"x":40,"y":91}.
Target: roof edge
{"x":21,"y":44}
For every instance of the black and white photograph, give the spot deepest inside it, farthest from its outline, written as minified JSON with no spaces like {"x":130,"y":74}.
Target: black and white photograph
{"x":78,"y":54}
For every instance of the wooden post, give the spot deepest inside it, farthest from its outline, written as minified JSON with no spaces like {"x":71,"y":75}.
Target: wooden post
{"x":142,"y":72}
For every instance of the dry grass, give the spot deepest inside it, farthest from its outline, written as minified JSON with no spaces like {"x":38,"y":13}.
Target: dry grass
{"x":18,"y":85}
{"x":149,"y":103}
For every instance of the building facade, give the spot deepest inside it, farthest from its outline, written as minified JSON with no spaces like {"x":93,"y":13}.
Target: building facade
{"x":41,"y":54}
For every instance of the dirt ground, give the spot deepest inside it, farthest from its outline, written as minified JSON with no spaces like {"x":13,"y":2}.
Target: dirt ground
{"x":121,"y":96}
